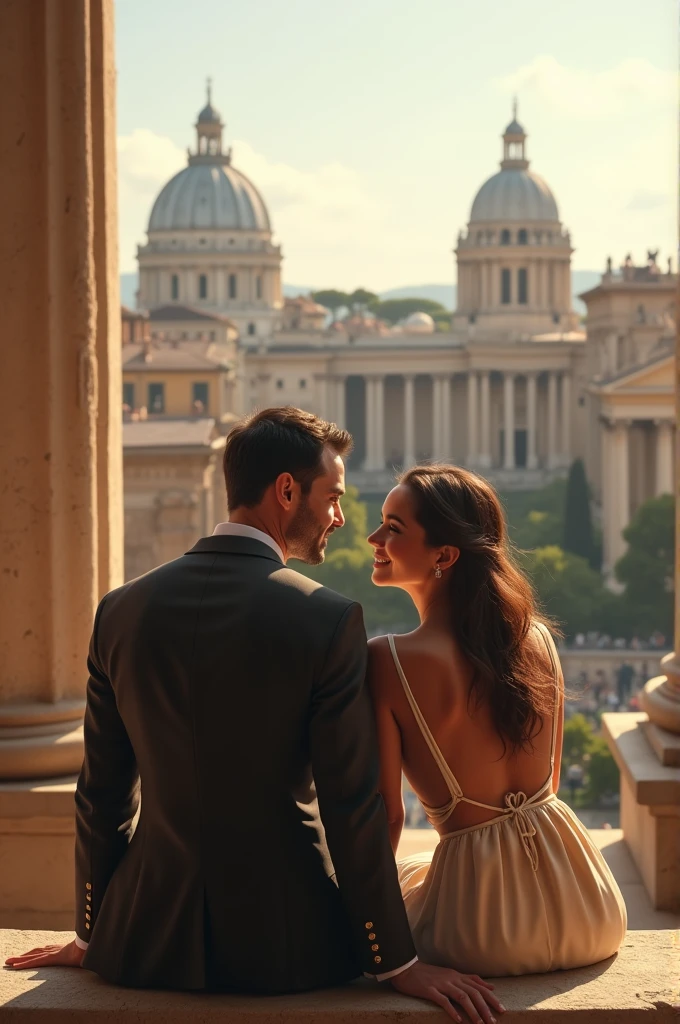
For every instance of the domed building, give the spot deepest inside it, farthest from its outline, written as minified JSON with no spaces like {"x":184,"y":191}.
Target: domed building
{"x":210,"y":240}
{"x":514,"y":261}
{"x":419,"y":323}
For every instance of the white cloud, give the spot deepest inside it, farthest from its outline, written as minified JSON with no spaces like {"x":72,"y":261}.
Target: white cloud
{"x":592,"y":95}
{"x":310,"y":209}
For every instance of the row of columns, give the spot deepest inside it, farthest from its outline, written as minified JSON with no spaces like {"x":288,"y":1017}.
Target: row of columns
{"x":331,"y":394}
{"x":616,"y":480}
{"x":479,"y":419}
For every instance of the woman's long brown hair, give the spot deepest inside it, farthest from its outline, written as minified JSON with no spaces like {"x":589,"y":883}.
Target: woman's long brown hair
{"x":493,"y":603}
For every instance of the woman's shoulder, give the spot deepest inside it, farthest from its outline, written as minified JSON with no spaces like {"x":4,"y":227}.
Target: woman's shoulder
{"x":382,"y":673}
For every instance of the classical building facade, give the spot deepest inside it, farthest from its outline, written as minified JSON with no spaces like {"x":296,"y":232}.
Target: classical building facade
{"x":500,"y":392}
{"x":210,"y":241}
{"x":631,"y":408}
{"x":515,"y":389}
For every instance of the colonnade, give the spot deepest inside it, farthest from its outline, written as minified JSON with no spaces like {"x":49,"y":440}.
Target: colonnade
{"x":479,"y":451}
{"x":617,"y":479}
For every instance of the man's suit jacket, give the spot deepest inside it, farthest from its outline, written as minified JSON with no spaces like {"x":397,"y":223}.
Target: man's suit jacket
{"x":234,"y":688}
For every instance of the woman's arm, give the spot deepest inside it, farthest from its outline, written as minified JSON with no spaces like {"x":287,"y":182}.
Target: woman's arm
{"x":380,"y":672}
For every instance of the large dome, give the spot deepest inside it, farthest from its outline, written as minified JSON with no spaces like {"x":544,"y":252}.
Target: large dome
{"x":209,"y":196}
{"x":514,"y":195}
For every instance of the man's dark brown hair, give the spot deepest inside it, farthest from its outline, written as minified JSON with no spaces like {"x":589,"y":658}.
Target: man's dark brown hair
{"x":274,"y":441}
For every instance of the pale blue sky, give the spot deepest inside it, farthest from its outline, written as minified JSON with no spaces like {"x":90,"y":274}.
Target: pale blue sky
{"x":368,"y":125}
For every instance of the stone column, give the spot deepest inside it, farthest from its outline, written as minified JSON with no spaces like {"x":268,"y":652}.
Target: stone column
{"x":566,"y":418}
{"x":615,"y":491}
{"x":532,"y":455}
{"x":553,"y":458}
{"x":60,"y":411}
{"x":485,"y":420}
{"x":663,"y":482}
{"x":323,"y":395}
{"x":661,"y":696}
{"x":409,"y":421}
{"x":375,"y":424}
{"x":473,"y":418}
{"x":509,"y":421}
{"x":339,"y":402}
{"x":441,"y":407}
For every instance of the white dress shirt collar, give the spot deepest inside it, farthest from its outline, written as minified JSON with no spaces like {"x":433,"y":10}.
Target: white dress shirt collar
{"x":241,"y":530}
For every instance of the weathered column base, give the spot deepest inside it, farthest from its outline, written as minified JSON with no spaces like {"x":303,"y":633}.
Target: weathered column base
{"x":37,"y":854}
{"x":40,"y":741}
{"x":650,"y":807}
{"x":661,"y":696}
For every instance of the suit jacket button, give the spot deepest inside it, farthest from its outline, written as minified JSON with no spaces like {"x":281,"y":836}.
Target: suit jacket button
{"x":87,"y":926}
{"x":88,"y":885}
{"x":377,"y":959}
{"x":371,"y":935}
{"x":375,"y":947}
{"x":87,"y":917}
{"x":369,"y":925}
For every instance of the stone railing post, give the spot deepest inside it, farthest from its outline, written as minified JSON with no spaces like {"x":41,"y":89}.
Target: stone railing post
{"x":661,"y":695}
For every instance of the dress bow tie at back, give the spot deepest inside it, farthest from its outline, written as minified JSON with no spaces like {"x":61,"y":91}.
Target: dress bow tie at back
{"x":517,"y":805}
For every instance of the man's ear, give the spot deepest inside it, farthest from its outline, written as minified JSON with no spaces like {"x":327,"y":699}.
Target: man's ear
{"x":447,"y":557}
{"x":284,"y":489}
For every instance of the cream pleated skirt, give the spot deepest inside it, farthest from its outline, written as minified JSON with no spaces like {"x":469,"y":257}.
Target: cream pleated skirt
{"x":479,"y":904}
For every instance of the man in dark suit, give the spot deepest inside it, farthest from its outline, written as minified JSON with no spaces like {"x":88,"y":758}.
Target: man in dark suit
{"x":233,"y":687}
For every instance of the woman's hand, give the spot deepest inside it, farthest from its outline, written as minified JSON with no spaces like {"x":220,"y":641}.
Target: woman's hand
{"x":69,"y":955}
{"x":444,"y":987}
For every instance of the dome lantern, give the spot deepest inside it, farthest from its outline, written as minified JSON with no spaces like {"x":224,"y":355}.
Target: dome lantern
{"x":209,"y":128}
{"x":514,"y":144}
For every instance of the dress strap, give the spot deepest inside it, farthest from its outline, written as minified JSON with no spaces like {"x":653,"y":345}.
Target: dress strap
{"x":547,"y":640}
{"x":448,"y":776}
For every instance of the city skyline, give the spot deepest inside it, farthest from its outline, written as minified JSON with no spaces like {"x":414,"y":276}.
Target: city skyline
{"x":361,"y":146}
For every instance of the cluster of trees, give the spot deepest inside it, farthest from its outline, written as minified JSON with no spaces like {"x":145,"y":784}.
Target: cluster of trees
{"x":390,"y":310}
{"x":582,"y":745}
{"x":562,"y":553}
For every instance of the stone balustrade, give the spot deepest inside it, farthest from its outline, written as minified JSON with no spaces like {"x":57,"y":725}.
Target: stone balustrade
{"x":640,"y":983}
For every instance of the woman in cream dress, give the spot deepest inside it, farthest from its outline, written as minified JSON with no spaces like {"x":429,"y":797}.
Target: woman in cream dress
{"x":470,"y":707}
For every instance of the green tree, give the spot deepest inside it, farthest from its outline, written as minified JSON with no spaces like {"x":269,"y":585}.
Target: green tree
{"x":332,"y":299}
{"x":360,"y":300}
{"x":535,"y":518}
{"x":602,"y":772}
{"x":577,"y":739}
{"x":567,"y":588}
{"x":578,"y":524}
{"x":646,"y":569}
{"x":393,"y":310}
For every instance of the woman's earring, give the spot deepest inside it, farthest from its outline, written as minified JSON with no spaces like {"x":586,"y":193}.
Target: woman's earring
{"x":437,"y":572}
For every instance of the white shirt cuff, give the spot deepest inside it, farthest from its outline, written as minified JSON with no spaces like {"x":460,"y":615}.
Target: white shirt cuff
{"x":395,"y":972}
{"x":80,"y":943}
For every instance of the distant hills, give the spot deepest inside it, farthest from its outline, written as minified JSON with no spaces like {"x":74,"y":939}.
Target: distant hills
{"x":581,"y":281}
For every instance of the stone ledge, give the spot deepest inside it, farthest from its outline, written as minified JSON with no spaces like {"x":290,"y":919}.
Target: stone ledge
{"x":643,"y":981}
{"x":652,"y":783}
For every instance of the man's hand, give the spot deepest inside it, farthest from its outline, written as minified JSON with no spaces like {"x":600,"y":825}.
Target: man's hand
{"x":445,"y":987}
{"x":69,"y":955}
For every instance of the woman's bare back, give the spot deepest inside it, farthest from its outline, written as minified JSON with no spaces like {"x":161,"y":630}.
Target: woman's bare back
{"x":439,"y":676}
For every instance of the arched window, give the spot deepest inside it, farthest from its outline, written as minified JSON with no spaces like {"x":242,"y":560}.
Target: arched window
{"x":505,"y":237}
{"x":174,"y":286}
{"x":506,"y":287}
{"x":522,"y":286}
{"x":522,"y":236}
{"x":251,"y":328}
{"x":258,"y":287}
{"x":232,"y":286}
{"x":203,"y":287}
